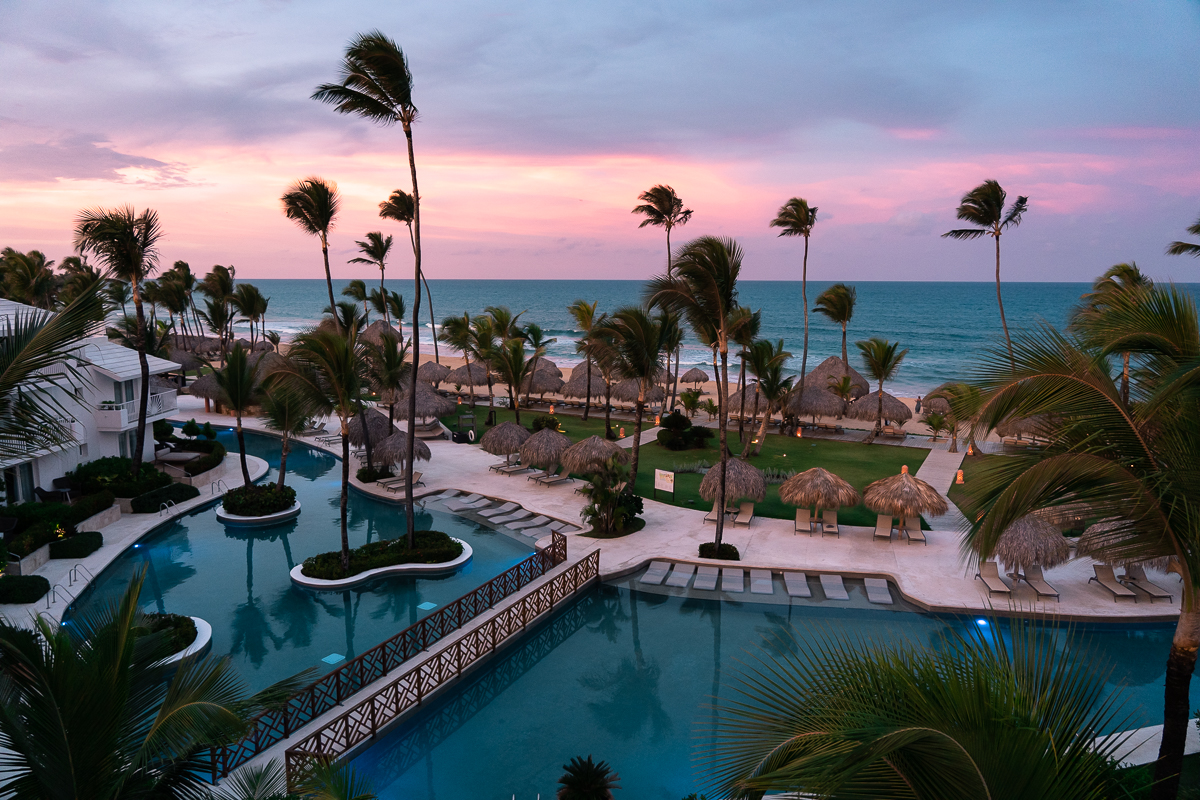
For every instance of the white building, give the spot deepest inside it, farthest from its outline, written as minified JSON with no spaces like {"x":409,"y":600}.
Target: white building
{"x":104,"y":424}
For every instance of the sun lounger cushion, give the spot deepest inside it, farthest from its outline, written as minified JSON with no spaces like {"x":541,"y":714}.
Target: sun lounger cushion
{"x":760,"y":582}
{"x":537,"y":533}
{"x":713,"y":515}
{"x":513,"y":517}
{"x":706,"y":578}
{"x":834,"y":588}
{"x":557,"y":480}
{"x":655,"y":574}
{"x":681,"y":576}
{"x":513,"y":469}
{"x":459,"y":505}
{"x":797,"y":584}
{"x":917,"y":535}
{"x":745,"y":515}
{"x":1033,"y":576}
{"x":733,"y":580}
{"x":528,"y":523}
{"x":878,"y":591}
{"x":492,"y":512}
{"x":829,"y":523}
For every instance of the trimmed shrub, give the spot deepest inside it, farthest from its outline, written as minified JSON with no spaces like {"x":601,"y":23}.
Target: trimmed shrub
{"x":545,"y":421}
{"x":433,"y":547}
{"x":727,"y":552}
{"x":150,"y":502}
{"x":208,"y":432}
{"x":90,"y":505}
{"x":258,"y":501}
{"x":113,"y":474}
{"x":215,"y":455}
{"x":23,"y":588}
{"x":163,"y":431}
{"x":700,"y":435}
{"x":372,"y":474}
{"x":80,"y":545}
{"x":38,"y":534}
{"x":675,"y":422}
{"x":190,"y":429}
{"x":180,"y":629}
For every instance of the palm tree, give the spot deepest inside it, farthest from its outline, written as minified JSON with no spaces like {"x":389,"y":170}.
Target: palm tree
{"x":29,"y":278}
{"x":248,"y":301}
{"x":388,"y":368}
{"x":483,"y":346}
{"x":126,"y":243}
{"x":703,"y":290}
{"x":238,"y":392}
{"x":376,"y":84}
{"x":313,"y":204}
{"x":1186,"y":248}
{"x":983,"y":207}
{"x":584,"y":314}
{"x":456,"y":332}
{"x":504,"y":322}
{"x":375,"y":251}
{"x":77,"y":276}
{"x":973,"y":715}
{"x":766,"y":362}
{"x":587,"y":780}
{"x":321,"y":781}
{"x":88,"y":710}
{"x":1119,"y":278}
{"x":837,"y":303}
{"x":510,"y":363}
{"x":356,"y":290}
{"x":117,"y":292}
{"x":637,"y":348}
{"x":330,"y":371}
{"x":747,"y":333}
{"x":881,"y":359}
{"x":399,"y":207}
{"x":672,"y":344}
{"x":1130,"y":464}
{"x":539,"y":342}
{"x":346,"y":315}
{"x":797,"y":218}
{"x":288,"y":413}
{"x":662,"y":208}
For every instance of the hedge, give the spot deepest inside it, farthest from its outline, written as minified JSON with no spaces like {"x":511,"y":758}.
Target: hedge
{"x":113,"y":474}
{"x":40,"y":533}
{"x":180,"y":629}
{"x":23,"y":588}
{"x":727,"y":552}
{"x":150,"y":502}
{"x":203,"y":464}
{"x":258,"y":501}
{"x":91,"y":505}
{"x":433,"y":547}
{"x":80,"y":545}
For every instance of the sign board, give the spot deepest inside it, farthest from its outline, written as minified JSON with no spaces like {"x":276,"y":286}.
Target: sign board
{"x":664,"y":481}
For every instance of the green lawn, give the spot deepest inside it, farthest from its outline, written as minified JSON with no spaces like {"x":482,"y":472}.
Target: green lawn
{"x":573,"y":427}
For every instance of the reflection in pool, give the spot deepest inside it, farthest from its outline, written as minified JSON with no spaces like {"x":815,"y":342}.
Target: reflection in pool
{"x":237,"y":578}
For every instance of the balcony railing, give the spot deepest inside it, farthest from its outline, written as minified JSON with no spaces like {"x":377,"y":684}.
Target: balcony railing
{"x":121,"y":416}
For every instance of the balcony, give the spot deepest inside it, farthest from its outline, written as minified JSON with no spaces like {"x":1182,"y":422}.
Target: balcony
{"x":118,"y":417}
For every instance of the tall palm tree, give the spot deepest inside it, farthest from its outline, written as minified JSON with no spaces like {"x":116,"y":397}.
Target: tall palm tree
{"x":983,"y":207}
{"x":376,"y":84}
{"x":313,"y":204}
{"x":587,"y":780}
{"x":88,"y":709}
{"x":388,"y":368}
{"x":837,"y":303}
{"x":126,"y":243}
{"x":238,"y":392}
{"x":399,"y":207}
{"x":77,"y":276}
{"x":346,"y":315}
{"x":321,"y":781}
{"x":767,"y":360}
{"x":1186,"y":248}
{"x":248,"y":301}
{"x":673,"y":344}
{"x":584,"y":314}
{"x":797,"y":218}
{"x":505,"y":322}
{"x":637,"y":349}
{"x":703,"y":290}
{"x":881,"y":359}
{"x":288,"y":413}
{"x":1129,"y":464}
{"x":1118,"y":278}
{"x":662,"y":208}
{"x":973,"y":715}
{"x":483,"y":345}
{"x":330,"y":371}
{"x":510,"y":362}
{"x":747,"y":334}
{"x":29,"y":278}
{"x":117,"y":293}
{"x":456,"y":332}
{"x":538,"y":341}
{"x":375,"y":249}
{"x":356,"y":290}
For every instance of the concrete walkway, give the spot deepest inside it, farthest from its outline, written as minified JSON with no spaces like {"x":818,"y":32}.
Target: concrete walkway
{"x":939,"y":471}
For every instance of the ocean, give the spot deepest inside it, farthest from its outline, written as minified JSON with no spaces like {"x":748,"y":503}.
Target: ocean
{"x":945,"y":326}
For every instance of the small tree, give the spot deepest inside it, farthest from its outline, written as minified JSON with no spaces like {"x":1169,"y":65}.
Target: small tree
{"x":605,"y":512}
{"x":936,"y":422}
{"x":287,"y":412}
{"x":587,"y":780}
{"x":190,"y":429}
{"x":238,"y":392}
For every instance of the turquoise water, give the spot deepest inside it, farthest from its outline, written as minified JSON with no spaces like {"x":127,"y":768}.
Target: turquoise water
{"x":943,"y":325}
{"x":237,"y":579}
{"x":626,"y":677}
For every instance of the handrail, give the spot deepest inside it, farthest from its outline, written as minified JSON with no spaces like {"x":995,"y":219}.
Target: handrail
{"x":154,"y":404}
{"x":217,"y":484}
{"x":364,"y":720}
{"x":53,"y":594}
{"x":165,"y":506}
{"x":73,"y":574}
{"x":336,"y":686}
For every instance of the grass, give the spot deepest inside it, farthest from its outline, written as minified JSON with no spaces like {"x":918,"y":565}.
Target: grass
{"x":574,"y":427}
{"x":973,"y":467}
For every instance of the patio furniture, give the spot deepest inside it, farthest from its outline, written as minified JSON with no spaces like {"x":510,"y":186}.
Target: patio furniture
{"x":989,"y":573}
{"x":1105,"y":576}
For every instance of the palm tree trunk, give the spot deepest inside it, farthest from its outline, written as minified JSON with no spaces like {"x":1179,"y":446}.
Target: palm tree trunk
{"x":639,"y":410}
{"x":607,"y":410}
{"x":675,"y":382}
{"x":144,"y":364}
{"x":1176,"y":706}
{"x":471,"y":385}
{"x":587,"y":399}
{"x":1000,"y":302}
{"x":241,"y":437}
{"x":283,"y":454}
{"x":804,"y":297}
{"x":337,"y":323}
{"x":529,"y":391}
{"x":742,"y":396}
{"x":432,"y":324}
{"x":383,"y":295}
{"x":752,"y":447}
{"x":362,"y":420}
{"x":345,"y":492}
{"x":722,"y":409}
{"x":1125,"y":378}
{"x":515,"y":403}
{"x":416,"y":338}
{"x":762,"y":431}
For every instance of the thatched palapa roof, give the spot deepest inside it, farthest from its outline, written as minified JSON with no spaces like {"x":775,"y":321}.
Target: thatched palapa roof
{"x":588,"y":455}
{"x":205,"y":386}
{"x":742,"y":482}
{"x":472,"y":374}
{"x":816,"y":402}
{"x":1024,"y":426}
{"x":627,"y":392}
{"x":833,"y":367}
{"x":540,"y":382}
{"x":544,"y":448}
{"x":394,"y":449}
{"x":374,"y":333}
{"x":818,"y":487}
{"x":694,"y":375}
{"x":904,"y":495}
{"x":377,"y":424}
{"x":867,"y":408}
{"x":504,"y":439}
{"x":577,"y":386}
{"x":1112,"y":535}
{"x":743,"y":402}
{"x":546,"y":365}
{"x":1031,"y":542}
{"x":429,"y":403}
{"x":432,"y":372}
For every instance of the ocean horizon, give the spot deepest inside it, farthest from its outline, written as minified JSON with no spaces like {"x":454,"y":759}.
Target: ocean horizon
{"x":946,"y":326}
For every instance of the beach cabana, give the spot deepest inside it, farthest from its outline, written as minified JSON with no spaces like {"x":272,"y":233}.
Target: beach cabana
{"x":626,"y":391}
{"x":541,"y":382}
{"x":544,"y":448}
{"x":867,"y":408}
{"x":743,"y":402}
{"x":815,"y":402}
{"x":588,"y":455}
{"x":743,"y":481}
{"x":818,"y":487}
{"x":430,"y":404}
{"x":377,"y":425}
{"x":504,"y":439}
{"x":578,"y":385}
{"x":1031,"y":542}
{"x":394,"y":449}
{"x":904,"y":496}
{"x":432,"y":373}
{"x":206,"y":386}
{"x":834,"y":368}
{"x":694,"y":375}
{"x":473,"y":374}
{"x":1109,"y":533}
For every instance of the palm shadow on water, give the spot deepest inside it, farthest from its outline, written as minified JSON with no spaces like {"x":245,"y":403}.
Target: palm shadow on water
{"x":251,"y":625}
{"x":164,"y":572}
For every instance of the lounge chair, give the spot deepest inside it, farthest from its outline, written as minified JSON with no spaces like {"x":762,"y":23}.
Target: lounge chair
{"x":829,"y":523}
{"x":733,"y":579}
{"x":797,"y":584}
{"x":681,"y":576}
{"x":537,"y":476}
{"x":706,"y":578}
{"x":528,"y":523}
{"x":834,"y":588}
{"x":1033,"y":576}
{"x":913,"y":534}
{"x":549,"y":475}
{"x":1108,"y":579}
{"x":760,"y":582}
{"x":319,"y":429}
{"x":1135,"y":576}
{"x":513,"y":517}
{"x":713,"y":515}
{"x":513,"y":469}
{"x":878,"y":591}
{"x":745,"y":514}
{"x":804,"y":521}
{"x":883,"y":527}
{"x":399,"y":485}
{"x":989,"y":573}
{"x":501,"y":465}
{"x":655,"y":574}
{"x":537,"y":533}
{"x":390,"y":480}
{"x":50,"y":497}
{"x":561,"y":477}
{"x":460,"y":504}
{"x":504,"y":509}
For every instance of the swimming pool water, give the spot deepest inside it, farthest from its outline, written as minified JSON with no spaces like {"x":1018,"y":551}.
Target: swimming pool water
{"x":237,"y":578}
{"x":626,"y":676}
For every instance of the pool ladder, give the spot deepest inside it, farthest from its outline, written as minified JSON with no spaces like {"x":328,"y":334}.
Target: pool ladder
{"x":217,"y":484}
{"x":165,"y":507}
{"x":73,"y":574}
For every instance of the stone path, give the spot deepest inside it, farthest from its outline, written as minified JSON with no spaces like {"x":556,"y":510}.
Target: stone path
{"x":939,"y":471}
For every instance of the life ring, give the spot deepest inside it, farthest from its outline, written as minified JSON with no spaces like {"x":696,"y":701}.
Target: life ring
{"x":471,"y":435}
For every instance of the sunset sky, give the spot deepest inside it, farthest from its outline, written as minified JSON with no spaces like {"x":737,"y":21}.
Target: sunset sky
{"x":542,"y":121}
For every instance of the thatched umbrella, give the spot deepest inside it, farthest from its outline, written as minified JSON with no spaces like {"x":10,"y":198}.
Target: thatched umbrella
{"x":429,"y":403}
{"x":834,"y":368}
{"x":588,"y":455}
{"x":581,"y":369}
{"x":1106,"y":534}
{"x":432,"y":372}
{"x":186,"y":360}
{"x":377,"y":424}
{"x":1031,"y":542}
{"x":473,"y":374}
{"x":541,"y":382}
{"x":818,"y":487}
{"x":504,"y":439}
{"x":627,"y":392}
{"x":262,"y":346}
{"x":904,"y":495}
{"x":578,"y":385}
{"x":742,"y":481}
{"x":867,"y":408}
{"x":158,"y":384}
{"x":394,"y":449}
{"x":374,"y":333}
{"x":816,"y":402}
{"x":694,"y":375}
{"x":743,"y":402}
{"x":546,"y":365}
{"x":266,"y":363}
{"x":544,"y":448}
{"x":205,"y":386}
{"x":1024,"y":426}
{"x":934,"y":401}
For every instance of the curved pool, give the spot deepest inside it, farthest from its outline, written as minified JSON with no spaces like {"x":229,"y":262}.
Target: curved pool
{"x":237,"y":578}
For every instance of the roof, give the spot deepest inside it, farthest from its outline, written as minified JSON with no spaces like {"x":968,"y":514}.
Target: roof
{"x":117,"y":361}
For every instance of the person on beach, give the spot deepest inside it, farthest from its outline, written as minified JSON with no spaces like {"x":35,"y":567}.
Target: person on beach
{"x":918,"y":404}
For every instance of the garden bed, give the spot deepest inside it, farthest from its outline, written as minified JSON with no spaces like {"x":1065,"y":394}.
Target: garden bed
{"x":434,"y":551}
{"x":23,"y":589}
{"x":257,"y":500}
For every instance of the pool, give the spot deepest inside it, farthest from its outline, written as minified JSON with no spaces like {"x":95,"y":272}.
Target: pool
{"x":237,"y":578}
{"x":625,"y":676}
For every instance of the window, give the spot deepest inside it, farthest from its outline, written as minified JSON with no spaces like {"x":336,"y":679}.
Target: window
{"x":128,"y":391}
{"x":18,"y":483}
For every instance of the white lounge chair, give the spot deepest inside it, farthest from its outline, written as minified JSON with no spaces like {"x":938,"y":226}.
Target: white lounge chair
{"x":681,"y":576}
{"x":528,"y":523}
{"x":713,"y":515}
{"x":797,"y":584}
{"x":1135,"y":576}
{"x":760,"y":582}
{"x":733,"y":579}
{"x":989,"y":573}
{"x":878,"y":591}
{"x":706,"y":578}
{"x":1033,"y":576}
{"x":655,"y":573}
{"x":504,"y":509}
{"x":1108,"y":579}
{"x":915,"y":535}
{"x":513,"y":517}
{"x":834,"y":588}
{"x":459,"y":505}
